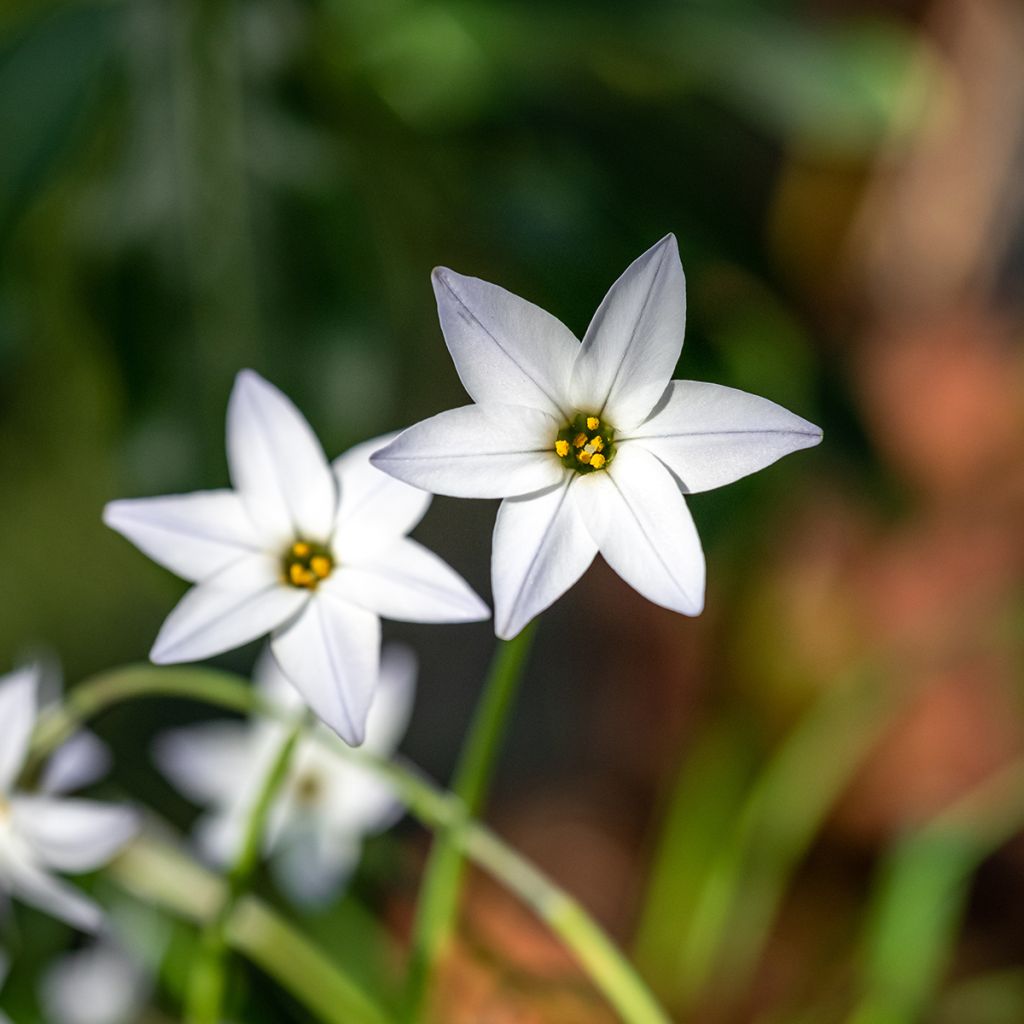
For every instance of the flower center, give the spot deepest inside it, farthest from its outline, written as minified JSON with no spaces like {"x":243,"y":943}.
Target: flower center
{"x":586,"y":444}
{"x":306,"y":563}
{"x":308,"y":788}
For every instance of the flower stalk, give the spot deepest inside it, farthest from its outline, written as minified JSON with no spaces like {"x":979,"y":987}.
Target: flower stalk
{"x":442,"y":880}
{"x":208,"y":981}
{"x":609,"y":971}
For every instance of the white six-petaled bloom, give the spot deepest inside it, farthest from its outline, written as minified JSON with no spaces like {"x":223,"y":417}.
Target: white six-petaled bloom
{"x":45,"y":831}
{"x":327,"y":804}
{"x":591,"y":444}
{"x":311,"y":552}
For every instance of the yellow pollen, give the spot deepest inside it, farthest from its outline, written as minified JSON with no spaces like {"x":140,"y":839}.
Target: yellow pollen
{"x":579,"y":440}
{"x":299,"y":576}
{"x":597,"y":460}
{"x":585,"y":457}
{"x":597,"y":443}
{"x":593,"y":423}
{"x":321,"y":566}
{"x":562,"y":448}
{"x":300,"y":549}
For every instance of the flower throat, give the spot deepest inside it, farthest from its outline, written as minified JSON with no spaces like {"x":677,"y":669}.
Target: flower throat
{"x":585,"y":445}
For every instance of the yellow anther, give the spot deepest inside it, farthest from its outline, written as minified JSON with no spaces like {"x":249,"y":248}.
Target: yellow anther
{"x":299,"y":576}
{"x":593,"y":423}
{"x":562,"y":448}
{"x":300,"y":549}
{"x":579,"y":440}
{"x":597,"y":461}
{"x":585,"y":457}
{"x":321,"y":565}
{"x":597,"y":443}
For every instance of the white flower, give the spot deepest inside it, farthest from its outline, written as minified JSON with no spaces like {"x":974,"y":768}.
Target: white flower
{"x":40,"y":832}
{"x":311,"y":552}
{"x":591,"y":445}
{"x":99,"y":984}
{"x":327,"y":804}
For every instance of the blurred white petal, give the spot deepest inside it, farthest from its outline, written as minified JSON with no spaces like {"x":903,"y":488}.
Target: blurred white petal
{"x":193,"y":535}
{"x":710,"y":435}
{"x":277,"y":464}
{"x":78,"y":762}
{"x":310,"y":871}
{"x":72,"y":834}
{"x":633,"y":343}
{"x":31,"y":884}
{"x":17,"y":716}
{"x":208,"y":762}
{"x":100,"y":984}
{"x":506,"y":350}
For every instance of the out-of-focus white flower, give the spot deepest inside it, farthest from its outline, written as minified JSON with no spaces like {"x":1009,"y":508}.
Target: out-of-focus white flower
{"x":100,"y":984}
{"x":311,"y":552}
{"x":327,"y":804}
{"x":43,"y":832}
{"x":591,"y":445}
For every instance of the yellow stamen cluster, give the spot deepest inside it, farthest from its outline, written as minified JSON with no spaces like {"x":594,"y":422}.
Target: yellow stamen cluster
{"x":305,"y":564}
{"x":585,"y":444}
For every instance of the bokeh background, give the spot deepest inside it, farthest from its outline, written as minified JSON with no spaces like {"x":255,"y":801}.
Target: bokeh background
{"x":803,"y":806}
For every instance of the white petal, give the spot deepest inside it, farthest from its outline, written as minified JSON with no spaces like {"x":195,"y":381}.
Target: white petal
{"x":638,"y":517}
{"x":392,"y":704}
{"x":710,"y":435}
{"x":78,"y":762}
{"x":33,"y":885}
{"x":406,"y":582}
{"x":208,"y":762}
{"x":96,"y":985}
{"x":193,"y":535}
{"x":373,"y":506}
{"x":632,"y":345}
{"x":17,"y":716}
{"x":241,"y":603}
{"x":331,"y":654}
{"x":506,"y":350}
{"x":541,"y":548}
{"x":72,"y":835}
{"x":309,"y":871}
{"x":277,"y":464}
{"x":219,"y":835}
{"x":477,"y":452}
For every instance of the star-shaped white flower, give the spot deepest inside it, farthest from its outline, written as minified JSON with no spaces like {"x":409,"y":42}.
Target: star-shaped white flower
{"x":327,"y":804}
{"x":44,"y":832}
{"x":311,"y":552}
{"x":591,"y":445}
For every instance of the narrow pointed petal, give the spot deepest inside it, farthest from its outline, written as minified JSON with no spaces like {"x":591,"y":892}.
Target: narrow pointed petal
{"x":78,"y":762}
{"x":645,"y":532}
{"x":541,"y":548}
{"x":310,"y":871}
{"x":331,"y":654}
{"x":710,"y":435}
{"x":633,"y":343}
{"x":477,"y":452}
{"x":277,"y":465}
{"x":392,"y":705}
{"x":239,"y":604}
{"x":374,"y":507}
{"x":506,"y":350}
{"x":72,"y":835}
{"x":17,"y":716}
{"x":30,"y":883}
{"x":193,"y":535}
{"x":209,"y":762}
{"x":408,"y":583}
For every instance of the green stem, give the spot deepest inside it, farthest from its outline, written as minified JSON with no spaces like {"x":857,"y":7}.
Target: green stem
{"x":208,"y":981}
{"x":439,"y":890}
{"x":435,"y":808}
